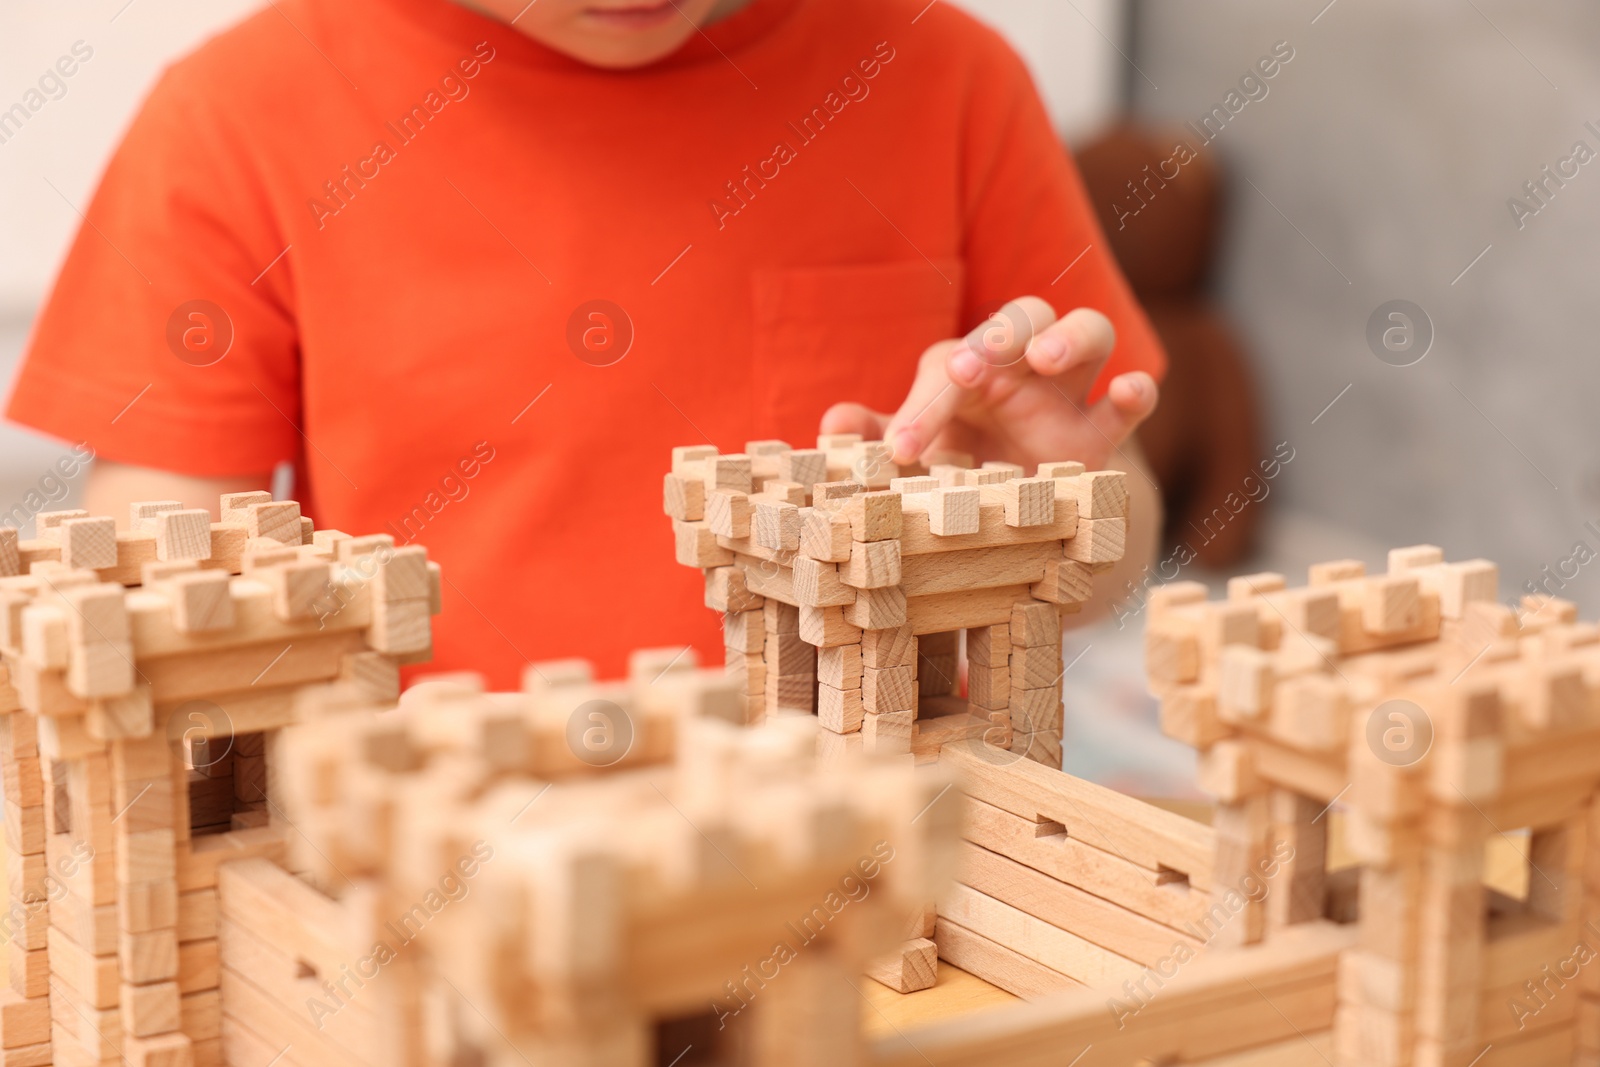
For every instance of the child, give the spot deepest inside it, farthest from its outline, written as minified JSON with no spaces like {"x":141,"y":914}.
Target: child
{"x":477,"y":266}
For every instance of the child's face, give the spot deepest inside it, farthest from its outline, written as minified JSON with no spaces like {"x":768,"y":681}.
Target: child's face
{"x":608,"y":33}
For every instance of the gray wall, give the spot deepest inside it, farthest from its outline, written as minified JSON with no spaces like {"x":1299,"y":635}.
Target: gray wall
{"x":1392,"y":142}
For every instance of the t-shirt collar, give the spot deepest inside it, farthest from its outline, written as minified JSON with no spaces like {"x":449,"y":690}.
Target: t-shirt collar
{"x":466,"y":27}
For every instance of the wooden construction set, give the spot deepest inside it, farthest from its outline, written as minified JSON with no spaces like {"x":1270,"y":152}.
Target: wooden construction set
{"x":232,"y":839}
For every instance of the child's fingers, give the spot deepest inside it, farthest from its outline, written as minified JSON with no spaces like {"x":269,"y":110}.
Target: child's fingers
{"x":854,"y":418}
{"x":999,"y":344}
{"x":928,"y":408}
{"x":1079,"y":343}
{"x":1129,"y":400}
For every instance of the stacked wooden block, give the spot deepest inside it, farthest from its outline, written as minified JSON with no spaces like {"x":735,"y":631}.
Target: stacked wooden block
{"x":1439,"y":718}
{"x":593,"y":907}
{"x":1064,"y":883}
{"x":845,"y":583}
{"x":142,"y":671}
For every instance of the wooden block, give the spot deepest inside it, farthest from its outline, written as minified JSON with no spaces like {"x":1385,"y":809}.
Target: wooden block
{"x":820,"y":585}
{"x":299,"y":588}
{"x":886,"y":689}
{"x":1060,"y":469}
{"x":1029,"y":501}
{"x":1244,"y":683}
{"x":777,"y":525}
{"x":148,"y":957}
{"x":147,"y":906}
{"x":728,"y":513}
{"x":249,"y":779}
{"x":10,"y":552}
{"x":166,"y":1050}
{"x":912,"y":966}
{"x":48,"y":523}
{"x":1035,"y":666}
{"x":249,"y":820}
{"x":401,"y":627}
{"x":989,"y":686}
{"x":888,"y":733}
{"x":877,"y":609}
{"x":150,"y":1009}
{"x":145,"y":856}
{"x":1414,"y":557}
{"x":840,"y":666}
{"x":920,"y":484}
{"x":1391,"y":604}
{"x":1035,"y":624}
{"x":142,"y":513}
{"x":989,"y":646}
{"x":991,"y":476}
{"x":827,"y":627}
{"x":24,"y":779}
{"x":872,"y":565}
{"x":402,"y":575}
{"x":227,"y":545}
{"x":1101,"y":494}
{"x":805,"y":466}
{"x":780,"y":618}
{"x":202,"y":1014}
{"x":686,"y":458}
{"x":896,"y":647}
{"x":201,"y":601}
{"x":696,"y":546}
{"x":732,"y":471}
{"x":25,"y":831}
{"x":839,"y":710}
{"x":198,"y":961}
{"x":683,"y":497}
{"x":997,"y":964}
{"x":1065,"y":582}
{"x":1097,"y":541}
{"x":89,"y":543}
{"x":276,"y":521}
{"x":184,"y":534}
{"x":23,"y":1021}
{"x":142,"y":804}
{"x":235,"y":507}
{"x":874,"y":516}
{"x":742,"y":631}
{"x":953,"y":512}
{"x":787,"y":492}
{"x":825,"y":536}
{"x":29,"y":972}
{"x":1337,"y":570}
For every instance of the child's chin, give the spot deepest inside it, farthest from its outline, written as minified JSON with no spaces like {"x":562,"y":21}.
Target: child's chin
{"x":620,"y":46}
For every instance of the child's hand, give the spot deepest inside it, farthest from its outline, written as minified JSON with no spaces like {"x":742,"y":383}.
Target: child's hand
{"x":1014,"y":389}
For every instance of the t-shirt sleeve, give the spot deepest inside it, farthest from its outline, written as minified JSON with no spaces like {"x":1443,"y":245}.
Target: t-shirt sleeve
{"x":169,"y":339}
{"x":1030,"y":229}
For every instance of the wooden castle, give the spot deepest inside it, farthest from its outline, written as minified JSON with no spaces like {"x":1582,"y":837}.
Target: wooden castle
{"x":232,"y":839}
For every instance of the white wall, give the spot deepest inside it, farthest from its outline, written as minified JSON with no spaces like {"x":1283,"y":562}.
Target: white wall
{"x":1079,"y":72}
{"x":66,"y":142}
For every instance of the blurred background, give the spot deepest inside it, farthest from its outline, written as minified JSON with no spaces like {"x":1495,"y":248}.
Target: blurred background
{"x":1374,"y":265}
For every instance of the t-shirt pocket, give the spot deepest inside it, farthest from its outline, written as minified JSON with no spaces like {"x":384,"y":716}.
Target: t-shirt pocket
{"x":827,"y":334}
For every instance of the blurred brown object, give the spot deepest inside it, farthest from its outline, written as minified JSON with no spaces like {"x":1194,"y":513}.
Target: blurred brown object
{"x":1159,"y":200}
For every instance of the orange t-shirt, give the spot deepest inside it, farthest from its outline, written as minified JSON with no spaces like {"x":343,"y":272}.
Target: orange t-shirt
{"x":401,"y":219}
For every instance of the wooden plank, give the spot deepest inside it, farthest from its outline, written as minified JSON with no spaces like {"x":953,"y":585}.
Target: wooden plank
{"x":981,"y":568}
{"x":1140,"y":833}
{"x":996,"y":964}
{"x":917,"y":539}
{"x":1065,"y":857}
{"x":1093,"y":918}
{"x":1222,"y":1003}
{"x":958,"y":611}
{"x":1060,"y":950}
